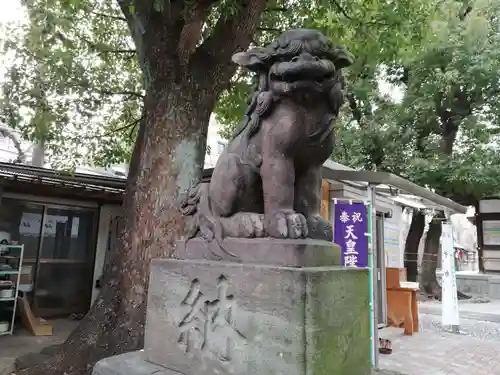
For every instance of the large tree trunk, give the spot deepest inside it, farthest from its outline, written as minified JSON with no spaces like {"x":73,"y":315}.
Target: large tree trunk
{"x":167,"y":160}
{"x":411,"y":246}
{"x":428,"y":277}
{"x":183,"y":82}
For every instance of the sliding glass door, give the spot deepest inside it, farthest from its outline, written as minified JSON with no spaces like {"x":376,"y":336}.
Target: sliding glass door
{"x":64,"y":272}
{"x":59,"y":248}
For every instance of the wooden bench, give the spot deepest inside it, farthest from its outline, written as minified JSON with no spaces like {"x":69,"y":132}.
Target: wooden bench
{"x":402,"y":305}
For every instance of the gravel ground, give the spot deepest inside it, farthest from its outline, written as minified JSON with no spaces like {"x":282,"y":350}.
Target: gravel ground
{"x":475,"y":328}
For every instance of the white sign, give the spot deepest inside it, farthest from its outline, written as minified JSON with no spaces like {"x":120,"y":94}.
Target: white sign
{"x":491,"y":232}
{"x":393,"y":247}
{"x":449,"y":307}
{"x":30,"y":224}
{"x":489,"y":206}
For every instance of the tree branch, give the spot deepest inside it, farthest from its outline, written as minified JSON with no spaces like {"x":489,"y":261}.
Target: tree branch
{"x":342,"y":10}
{"x":465,"y":13}
{"x":230,"y":34}
{"x":405,"y":78}
{"x":276,"y":9}
{"x":355,"y":110}
{"x":136,"y":26}
{"x":131,"y":51}
{"x":130,"y":94}
{"x":194,"y":19}
{"x":110,"y":16}
{"x":130,"y":11}
{"x":8,"y":133}
{"x":93,"y":46}
{"x":269,"y":29}
{"x":132,"y":125}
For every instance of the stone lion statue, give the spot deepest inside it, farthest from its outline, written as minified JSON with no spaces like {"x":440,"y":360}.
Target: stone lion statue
{"x":267,"y":181}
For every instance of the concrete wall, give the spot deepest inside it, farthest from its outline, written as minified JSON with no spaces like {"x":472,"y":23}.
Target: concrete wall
{"x":477,"y":283}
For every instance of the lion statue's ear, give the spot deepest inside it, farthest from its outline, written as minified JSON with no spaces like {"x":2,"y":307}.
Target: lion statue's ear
{"x":341,"y":57}
{"x":253,"y":59}
{"x":241,"y":58}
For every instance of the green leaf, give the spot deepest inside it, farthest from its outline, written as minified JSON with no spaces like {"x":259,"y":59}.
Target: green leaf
{"x":159,"y":5}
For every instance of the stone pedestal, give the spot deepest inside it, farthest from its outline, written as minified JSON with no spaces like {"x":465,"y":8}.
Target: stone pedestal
{"x":287,"y":253}
{"x":289,"y":309}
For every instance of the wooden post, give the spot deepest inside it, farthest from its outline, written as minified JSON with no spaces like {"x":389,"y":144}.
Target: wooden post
{"x":325,"y":199}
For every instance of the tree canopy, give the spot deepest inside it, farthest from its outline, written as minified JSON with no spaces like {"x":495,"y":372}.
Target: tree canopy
{"x":450,"y":109}
{"x":442,"y":132}
{"x":74,"y":80}
{"x":422,"y":95}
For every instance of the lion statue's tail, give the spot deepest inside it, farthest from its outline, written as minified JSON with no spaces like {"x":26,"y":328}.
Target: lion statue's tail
{"x":189,"y":207}
{"x":196,"y":204}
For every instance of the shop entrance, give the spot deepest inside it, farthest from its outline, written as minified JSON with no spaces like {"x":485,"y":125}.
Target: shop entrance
{"x":59,"y":246}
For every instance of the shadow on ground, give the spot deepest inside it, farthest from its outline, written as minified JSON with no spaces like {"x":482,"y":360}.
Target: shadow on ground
{"x":23,"y":343}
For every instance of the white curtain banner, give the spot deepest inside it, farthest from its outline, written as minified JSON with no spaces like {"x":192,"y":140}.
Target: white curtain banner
{"x":450,"y":316}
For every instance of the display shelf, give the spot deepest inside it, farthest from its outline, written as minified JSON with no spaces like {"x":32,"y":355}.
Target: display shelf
{"x":9,"y":272}
{"x":9,"y":253}
{"x":26,"y":288}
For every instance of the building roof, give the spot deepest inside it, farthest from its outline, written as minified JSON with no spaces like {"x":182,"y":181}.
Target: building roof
{"x":26,"y":173}
{"x":20,"y":178}
{"x":385,"y":180}
{"x":36,"y":180}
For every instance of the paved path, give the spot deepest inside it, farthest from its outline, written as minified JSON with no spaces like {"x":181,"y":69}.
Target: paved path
{"x":433,"y":353}
{"x":480,"y":329}
{"x":468,"y":309}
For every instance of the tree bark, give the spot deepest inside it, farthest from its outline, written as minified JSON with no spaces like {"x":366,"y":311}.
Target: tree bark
{"x":167,"y":160}
{"x":411,"y":246}
{"x":428,"y":279}
{"x":168,"y":157}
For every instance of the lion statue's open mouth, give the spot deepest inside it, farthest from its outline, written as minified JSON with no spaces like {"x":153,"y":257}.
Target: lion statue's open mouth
{"x":303,"y":72}
{"x":303,"y":67}
{"x":299,"y":60}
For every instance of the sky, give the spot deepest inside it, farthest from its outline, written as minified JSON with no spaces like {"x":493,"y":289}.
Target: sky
{"x":10,"y":10}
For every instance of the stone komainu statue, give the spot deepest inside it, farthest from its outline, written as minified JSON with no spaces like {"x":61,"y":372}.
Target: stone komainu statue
{"x":267,"y":181}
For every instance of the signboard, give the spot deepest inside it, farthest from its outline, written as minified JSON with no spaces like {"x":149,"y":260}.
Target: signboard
{"x":31,"y":222}
{"x":392,"y":247}
{"x":450,"y":315}
{"x":491,"y":232}
{"x":489,"y":206}
{"x":350,"y":233}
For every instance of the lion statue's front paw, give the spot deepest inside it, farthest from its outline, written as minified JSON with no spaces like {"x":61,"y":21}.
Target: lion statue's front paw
{"x":286,"y":224}
{"x":319,"y":228}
